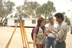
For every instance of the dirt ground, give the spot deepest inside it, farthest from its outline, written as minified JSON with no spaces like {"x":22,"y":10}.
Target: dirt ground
{"x":6,"y":32}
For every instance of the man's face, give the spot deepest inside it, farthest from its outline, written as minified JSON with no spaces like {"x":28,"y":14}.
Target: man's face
{"x":58,"y":19}
{"x":51,"y":20}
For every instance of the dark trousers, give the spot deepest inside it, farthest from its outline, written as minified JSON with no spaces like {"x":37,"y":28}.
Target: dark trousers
{"x":61,"y":44}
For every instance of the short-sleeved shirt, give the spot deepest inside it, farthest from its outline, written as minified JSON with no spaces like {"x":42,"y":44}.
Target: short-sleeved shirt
{"x":35,"y":29}
{"x":49,"y":26}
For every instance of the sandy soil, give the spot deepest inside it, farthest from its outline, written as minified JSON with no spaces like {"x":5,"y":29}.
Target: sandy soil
{"x":6,"y":32}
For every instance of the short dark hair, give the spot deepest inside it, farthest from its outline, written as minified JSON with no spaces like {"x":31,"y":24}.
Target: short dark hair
{"x":59,"y":15}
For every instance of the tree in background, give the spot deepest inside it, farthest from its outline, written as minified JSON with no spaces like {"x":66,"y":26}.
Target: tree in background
{"x":9,"y":7}
{"x":2,"y":9}
{"x":34,"y":9}
{"x":16,"y":15}
{"x":5,"y":9}
{"x":46,"y":9}
{"x":28,"y":9}
{"x":66,"y":19}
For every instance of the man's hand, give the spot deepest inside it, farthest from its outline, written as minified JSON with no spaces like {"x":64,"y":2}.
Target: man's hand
{"x":49,"y":30}
{"x":46,"y":33}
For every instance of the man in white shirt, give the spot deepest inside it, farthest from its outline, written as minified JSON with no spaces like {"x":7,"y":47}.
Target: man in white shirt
{"x":51,"y":38}
{"x":61,"y":31}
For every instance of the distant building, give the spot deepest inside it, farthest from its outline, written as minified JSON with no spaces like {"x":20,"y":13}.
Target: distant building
{"x":28,"y":22}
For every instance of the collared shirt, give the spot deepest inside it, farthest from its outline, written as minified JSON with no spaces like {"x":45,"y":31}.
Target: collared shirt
{"x":50,"y":26}
{"x":61,"y":32}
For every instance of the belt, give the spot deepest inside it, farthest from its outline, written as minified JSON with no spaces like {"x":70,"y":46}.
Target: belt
{"x":50,"y":37}
{"x":61,"y":42}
